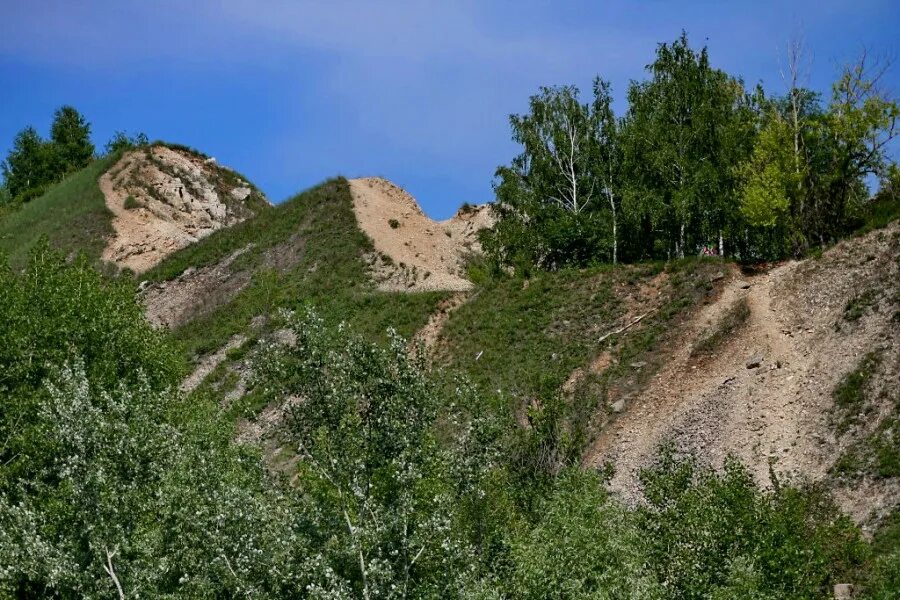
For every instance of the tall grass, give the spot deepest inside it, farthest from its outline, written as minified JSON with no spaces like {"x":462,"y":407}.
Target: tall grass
{"x":72,"y":215}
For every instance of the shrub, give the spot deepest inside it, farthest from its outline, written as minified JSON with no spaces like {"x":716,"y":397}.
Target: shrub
{"x":131,"y":203}
{"x":718,"y":534}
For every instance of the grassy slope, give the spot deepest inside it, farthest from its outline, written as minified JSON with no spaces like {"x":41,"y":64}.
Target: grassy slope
{"x":72,"y":214}
{"x":306,"y":251}
{"x":525,"y":341}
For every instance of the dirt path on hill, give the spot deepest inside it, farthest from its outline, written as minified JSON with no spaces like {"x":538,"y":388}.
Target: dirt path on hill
{"x":774,"y":412}
{"x":428,"y":335}
{"x":414,"y":252}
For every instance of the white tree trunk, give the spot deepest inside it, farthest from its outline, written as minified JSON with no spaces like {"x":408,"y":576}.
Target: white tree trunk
{"x":615,"y":240}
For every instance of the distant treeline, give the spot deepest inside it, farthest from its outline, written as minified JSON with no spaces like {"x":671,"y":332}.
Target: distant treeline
{"x":698,"y":164}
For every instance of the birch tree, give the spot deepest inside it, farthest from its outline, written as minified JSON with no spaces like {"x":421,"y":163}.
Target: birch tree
{"x":608,"y":158}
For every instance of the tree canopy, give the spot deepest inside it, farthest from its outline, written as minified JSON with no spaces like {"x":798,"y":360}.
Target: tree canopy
{"x":697,"y":164}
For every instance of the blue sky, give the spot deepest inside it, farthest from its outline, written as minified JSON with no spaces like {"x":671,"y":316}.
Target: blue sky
{"x":291,"y":93}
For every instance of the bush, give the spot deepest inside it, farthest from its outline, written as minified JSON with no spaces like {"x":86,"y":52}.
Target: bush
{"x":583,"y":546}
{"x":718,"y":535}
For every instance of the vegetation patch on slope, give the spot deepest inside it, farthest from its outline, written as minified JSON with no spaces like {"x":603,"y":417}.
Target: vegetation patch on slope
{"x":306,"y":251}
{"x":72,"y":215}
{"x":524,"y":338}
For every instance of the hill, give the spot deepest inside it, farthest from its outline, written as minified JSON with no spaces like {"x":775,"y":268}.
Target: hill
{"x":790,"y":367}
{"x":773,"y":366}
{"x":132,"y":208}
{"x":72,"y":215}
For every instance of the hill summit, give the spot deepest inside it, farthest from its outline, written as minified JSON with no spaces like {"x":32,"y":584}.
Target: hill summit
{"x":164,"y":198}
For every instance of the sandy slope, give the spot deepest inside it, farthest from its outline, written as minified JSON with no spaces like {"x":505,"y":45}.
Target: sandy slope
{"x":179,"y":202}
{"x":423,"y":254}
{"x":777,"y":412}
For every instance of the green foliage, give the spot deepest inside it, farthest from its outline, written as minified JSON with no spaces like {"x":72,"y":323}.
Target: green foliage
{"x":33,"y":164}
{"x":104,"y":470}
{"x":380,"y":487}
{"x":877,"y":453}
{"x":584,"y":545}
{"x":121,"y":141}
{"x":883,"y":573}
{"x":72,"y":215}
{"x":718,"y":535}
{"x":29,"y":166}
{"x":556,"y":203}
{"x":769,"y":178}
{"x":696,"y":163}
{"x":685,"y":130}
{"x":850,"y":393}
{"x":858,"y":305}
{"x":131,"y":203}
{"x":70,"y":136}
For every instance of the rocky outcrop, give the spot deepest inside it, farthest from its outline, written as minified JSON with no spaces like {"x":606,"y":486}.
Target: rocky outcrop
{"x":164,"y":199}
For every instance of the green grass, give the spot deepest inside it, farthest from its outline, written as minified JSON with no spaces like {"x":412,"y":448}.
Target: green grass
{"x":131,"y":203}
{"x":72,"y":215}
{"x":850,"y":394}
{"x":858,"y":305}
{"x":734,"y":317}
{"x":306,"y":251}
{"x":876,"y":453}
{"x":878,"y":214}
{"x":524,"y":341}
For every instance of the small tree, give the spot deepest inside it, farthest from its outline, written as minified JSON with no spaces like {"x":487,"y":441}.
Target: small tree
{"x":70,"y":135}
{"x":29,"y":164}
{"x":861,"y":122}
{"x":553,"y":200}
{"x":377,"y":482}
{"x":122,"y":141}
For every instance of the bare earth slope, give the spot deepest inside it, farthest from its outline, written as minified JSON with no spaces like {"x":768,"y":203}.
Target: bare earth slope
{"x":778,"y":411}
{"x":164,"y":199}
{"x":421,"y":254}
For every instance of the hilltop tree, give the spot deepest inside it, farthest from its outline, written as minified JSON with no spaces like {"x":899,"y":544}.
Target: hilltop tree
{"x":122,"y":141}
{"x":607,"y":163}
{"x":29,"y":165}
{"x":861,"y":123}
{"x":34,"y":163}
{"x":555,"y":197}
{"x":70,"y":135}
{"x":683,"y":130}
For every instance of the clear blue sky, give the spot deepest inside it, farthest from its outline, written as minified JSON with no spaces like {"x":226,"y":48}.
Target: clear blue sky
{"x":291,"y":93}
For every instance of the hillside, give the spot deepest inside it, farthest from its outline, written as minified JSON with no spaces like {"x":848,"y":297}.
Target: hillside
{"x":423,"y":254}
{"x":133,"y":208}
{"x":72,"y":215}
{"x":790,"y":367}
{"x":759,"y":372}
{"x":641,"y":355}
{"x":165,"y":198}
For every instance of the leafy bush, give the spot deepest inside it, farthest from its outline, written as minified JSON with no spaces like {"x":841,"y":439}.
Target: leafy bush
{"x":382,"y":489}
{"x":584,"y":545}
{"x":107,"y":477}
{"x":718,"y":535}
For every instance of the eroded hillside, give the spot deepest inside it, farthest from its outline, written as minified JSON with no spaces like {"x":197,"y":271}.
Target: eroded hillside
{"x":165,"y":198}
{"x":763,"y":389}
{"x":412,"y":251}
